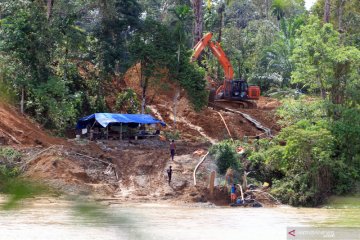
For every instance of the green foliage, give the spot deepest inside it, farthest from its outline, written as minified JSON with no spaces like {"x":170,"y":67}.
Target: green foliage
{"x":303,"y":152}
{"x":52,"y":99}
{"x":276,"y":64}
{"x":127,"y":102}
{"x":349,"y":20}
{"x":322,"y":64}
{"x":346,"y":131}
{"x":154,"y":47}
{"x":313,"y":156}
{"x":172,"y":135}
{"x":226,"y":156}
{"x":191,"y":77}
{"x":9,"y":158}
{"x":279,"y":7}
{"x":257,"y":36}
{"x":117,"y":19}
{"x":6,"y":92}
{"x":305,"y":108}
{"x":8,"y":172}
{"x":10,"y":185}
{"x":9,"y":154}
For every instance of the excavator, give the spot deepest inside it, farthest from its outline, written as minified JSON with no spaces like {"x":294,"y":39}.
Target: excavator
{"x":232,"y":90}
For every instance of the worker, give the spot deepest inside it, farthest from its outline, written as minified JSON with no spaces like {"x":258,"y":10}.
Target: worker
{"x":233,"y":193}
{"x":169,"y":173}
{"x":172,"y":149}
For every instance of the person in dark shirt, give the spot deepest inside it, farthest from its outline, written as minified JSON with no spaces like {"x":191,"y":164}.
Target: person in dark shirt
{"x":169,"y":172}
{"x":172,"y":149}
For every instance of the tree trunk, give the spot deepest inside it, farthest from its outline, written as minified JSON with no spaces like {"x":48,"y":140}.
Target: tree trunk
{"x":198,"y":24}
{"x":176,"y":100}
{"x":340,"y":16}
{"x":143,"y":101}
{"x":144,"y":83}
{"x":327,"y":11}
{"x":221,"y":15}
{"x":22,"y":100}
{"x":50,"y":4}
{"x":267,"y":9}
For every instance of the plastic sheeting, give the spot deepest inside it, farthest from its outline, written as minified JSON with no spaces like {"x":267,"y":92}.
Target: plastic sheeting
{"x":104,"y":119}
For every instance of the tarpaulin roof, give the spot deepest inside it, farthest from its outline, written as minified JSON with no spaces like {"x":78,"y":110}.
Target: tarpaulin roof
{"x":104,"y":119}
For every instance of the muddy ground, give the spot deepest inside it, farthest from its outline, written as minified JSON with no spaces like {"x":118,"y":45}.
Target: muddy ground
{"x":134,"y":170}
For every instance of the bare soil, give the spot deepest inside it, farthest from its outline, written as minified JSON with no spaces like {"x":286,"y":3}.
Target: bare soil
{"x":134,"y":170}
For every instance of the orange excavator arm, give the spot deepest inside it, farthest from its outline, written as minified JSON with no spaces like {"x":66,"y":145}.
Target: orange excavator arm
{"x":219,"y":53}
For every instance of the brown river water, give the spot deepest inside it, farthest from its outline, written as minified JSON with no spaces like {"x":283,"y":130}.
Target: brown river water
{"x":59,"y":219}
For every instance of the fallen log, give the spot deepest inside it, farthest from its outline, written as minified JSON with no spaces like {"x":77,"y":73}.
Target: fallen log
{"x":11,"y":136}
{"x":102,"y":161}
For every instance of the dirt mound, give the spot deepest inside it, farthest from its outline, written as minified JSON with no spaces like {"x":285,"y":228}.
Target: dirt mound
{"x":267,"y":103}
{"x":51,"y":166}
{"x":72,"y":172}
{"x":16,"y":128}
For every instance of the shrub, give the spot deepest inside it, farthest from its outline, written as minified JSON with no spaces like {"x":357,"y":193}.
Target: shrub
{"x":225,"y":156}
{"x":172,"y":135}
{"x":9,"y":154}
{"x":127,"y":102}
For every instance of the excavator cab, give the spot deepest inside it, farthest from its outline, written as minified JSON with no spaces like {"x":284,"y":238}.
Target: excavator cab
{"x":239,"y":90}
{"x":235,"y":90}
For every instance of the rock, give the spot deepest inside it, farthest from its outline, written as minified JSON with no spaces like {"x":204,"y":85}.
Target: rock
{"x":179,"y":185}
{"x":199,"y":152}
{"x":200,"y":199}
{"x":169,"y":194}
{"x":141,"y":194}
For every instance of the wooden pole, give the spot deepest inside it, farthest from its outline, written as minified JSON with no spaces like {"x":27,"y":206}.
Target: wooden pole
{"x":212,"y":183}
{"x":120,"y":131}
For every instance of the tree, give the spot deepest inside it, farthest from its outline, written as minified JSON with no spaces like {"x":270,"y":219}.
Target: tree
{"x":344,"y":15}
{"x":117,"y":19}
{"x":197,"y":6}
{"x":278,"y":8}
{"x":321,"y":63}
{"x":226,"y":156}
{"x":153,"y":48}
{"x":310,"y":158}
{"x":26,"y":42}
{"x":39,"y":59}
{"x":327,"y":11}
{"x":127,"y":102}
{"x":181,"y":31}
{"x":276,"y":58}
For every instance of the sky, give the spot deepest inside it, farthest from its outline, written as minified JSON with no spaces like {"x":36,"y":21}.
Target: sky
{"x":309,"y":3}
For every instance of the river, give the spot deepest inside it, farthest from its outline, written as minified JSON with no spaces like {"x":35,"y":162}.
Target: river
{"x":59,"y":219}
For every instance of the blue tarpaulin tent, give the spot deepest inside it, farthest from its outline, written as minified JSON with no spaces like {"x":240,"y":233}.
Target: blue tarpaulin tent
{"x":104,"y":119}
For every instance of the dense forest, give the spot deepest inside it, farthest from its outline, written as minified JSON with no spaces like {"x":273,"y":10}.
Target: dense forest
{"x":59,"y":57}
